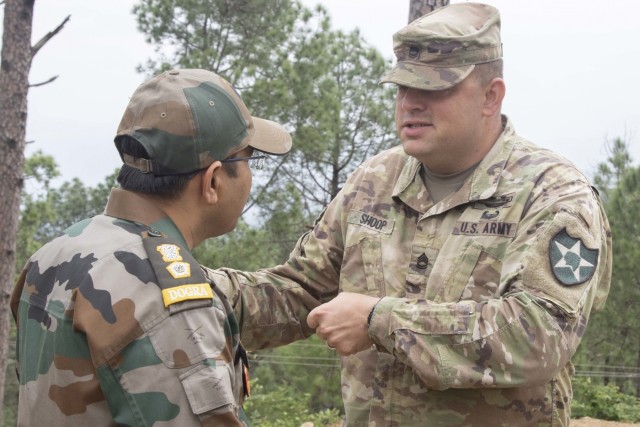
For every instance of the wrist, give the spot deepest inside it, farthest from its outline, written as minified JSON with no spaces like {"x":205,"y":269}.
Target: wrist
{"x":371,"y":312}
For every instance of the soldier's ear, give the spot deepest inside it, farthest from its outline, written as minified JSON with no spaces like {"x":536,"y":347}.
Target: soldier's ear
{"x":493,"y":95}
{"x":210,"y":181}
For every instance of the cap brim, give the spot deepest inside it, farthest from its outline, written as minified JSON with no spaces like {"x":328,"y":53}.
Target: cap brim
{"x":270,"y":137}
{"x":427,"y":78}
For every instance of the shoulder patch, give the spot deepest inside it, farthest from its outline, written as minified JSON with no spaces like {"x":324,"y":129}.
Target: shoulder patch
{"x":571,"y":261}
{"x":179,"y":276}
{"x":186,"y":292}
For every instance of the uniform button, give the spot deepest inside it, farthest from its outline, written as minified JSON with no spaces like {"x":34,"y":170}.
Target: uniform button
{"x":153,"y":232}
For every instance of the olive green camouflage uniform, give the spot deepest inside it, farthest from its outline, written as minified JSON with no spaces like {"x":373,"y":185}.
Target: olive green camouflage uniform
{"x":486,"y":294}
{"x":96,"y":344}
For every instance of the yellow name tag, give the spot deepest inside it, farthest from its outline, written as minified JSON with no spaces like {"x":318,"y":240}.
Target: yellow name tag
{"x":186,"y":292}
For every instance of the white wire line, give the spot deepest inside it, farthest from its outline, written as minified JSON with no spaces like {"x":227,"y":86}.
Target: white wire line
{"x":606,"y":375}
{"x":302,"y":344}
{"x":593,"y":374}
{"x":596,"y":371}
{"x":607,"y":371}
{"x":623,"y":368}
{"x":311,"y":361}
{"x":609,"y":374}
{"x":269,"y":356}
{"x":311,"y":365}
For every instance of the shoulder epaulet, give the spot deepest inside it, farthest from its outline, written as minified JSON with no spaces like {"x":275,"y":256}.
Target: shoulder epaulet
{"x":178,"y":274}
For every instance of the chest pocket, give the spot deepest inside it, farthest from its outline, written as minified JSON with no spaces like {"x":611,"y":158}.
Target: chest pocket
{"x":362,"y":269}
{"x":469,"y":264}
{"x":471,"y":274}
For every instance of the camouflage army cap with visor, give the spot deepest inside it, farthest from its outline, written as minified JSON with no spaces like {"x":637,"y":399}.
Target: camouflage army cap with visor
{"x":186,"y":119}
{"x":441,"y":48}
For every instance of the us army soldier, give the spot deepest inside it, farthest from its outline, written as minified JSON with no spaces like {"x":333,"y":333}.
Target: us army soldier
{"x":117,"y":324}
{"x":458,"y":270}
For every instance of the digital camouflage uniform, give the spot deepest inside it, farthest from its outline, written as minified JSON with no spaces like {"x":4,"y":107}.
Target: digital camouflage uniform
{"x":96,"y":344}
{"x":486,"y":294}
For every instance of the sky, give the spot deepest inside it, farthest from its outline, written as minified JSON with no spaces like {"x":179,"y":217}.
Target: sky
{"x":571,"y":70}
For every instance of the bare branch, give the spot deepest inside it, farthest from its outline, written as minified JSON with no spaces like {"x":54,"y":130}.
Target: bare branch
{"x":36,"y":47}
{"x":263,"y":188}
{"x":418,"y":8}
{"x":45,"y":82}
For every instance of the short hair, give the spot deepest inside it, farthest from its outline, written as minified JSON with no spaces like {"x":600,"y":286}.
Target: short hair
{"x":231,"y":168}
{"x":489,"y":71}
{"x":130,"y":178}
{"x":168,"y":186}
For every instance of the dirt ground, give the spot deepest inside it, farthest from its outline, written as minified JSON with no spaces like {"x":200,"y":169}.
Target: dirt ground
{"x":581,"y":422}
{"x":592,"y":422}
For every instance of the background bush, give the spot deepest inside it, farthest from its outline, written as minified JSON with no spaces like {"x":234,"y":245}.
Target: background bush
{"x":604,"y":402}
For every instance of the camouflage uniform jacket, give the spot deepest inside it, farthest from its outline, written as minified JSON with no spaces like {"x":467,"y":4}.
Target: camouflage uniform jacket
{"x":486,"y":294}
{"x":96,"y":344}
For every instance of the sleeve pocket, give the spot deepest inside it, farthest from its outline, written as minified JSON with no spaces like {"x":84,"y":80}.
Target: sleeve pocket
{"x":207,"y":388}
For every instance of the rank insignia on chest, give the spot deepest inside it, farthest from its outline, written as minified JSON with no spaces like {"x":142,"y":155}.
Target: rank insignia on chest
{"x":571,"y":261}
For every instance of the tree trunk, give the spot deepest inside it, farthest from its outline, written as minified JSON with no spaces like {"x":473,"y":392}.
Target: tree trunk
{"x":417,"y":8}
{"x":14,"y":84}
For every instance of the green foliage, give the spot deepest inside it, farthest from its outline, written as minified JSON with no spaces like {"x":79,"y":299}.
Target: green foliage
{"x":266,"y":242}
{"x":327,"y":91}
{"x":613,"y":336}
{"x":307,"y":369}
{"x":279,"y":407}
{"x":290,"y":66}
{"x":235,"y":39}
{"x":46,"y":212}
{"x":609,"y":172}
{"x":605,"y":402}
{"x":35,"y":209}
{"x":243,"y":248}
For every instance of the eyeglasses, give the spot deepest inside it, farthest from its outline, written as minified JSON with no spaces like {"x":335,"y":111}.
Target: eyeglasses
{"x":255,"y":162}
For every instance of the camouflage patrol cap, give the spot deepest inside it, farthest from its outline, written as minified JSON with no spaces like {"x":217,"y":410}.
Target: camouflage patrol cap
{"x":186,"y":119}
{"x":441,"y":48}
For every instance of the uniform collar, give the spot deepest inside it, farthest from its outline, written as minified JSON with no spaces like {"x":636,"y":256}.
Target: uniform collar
{"x":130,"y":206}
{"x":485,"y":180}
{"x":482,"y":184}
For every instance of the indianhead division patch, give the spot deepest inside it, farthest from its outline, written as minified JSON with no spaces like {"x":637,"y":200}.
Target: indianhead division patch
{"x":571,"y":261}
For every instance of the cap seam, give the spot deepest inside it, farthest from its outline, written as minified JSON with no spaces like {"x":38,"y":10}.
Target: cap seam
{"x":457,"y":53}
{"x":197,"y":139}
{"x":237,"y":110}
